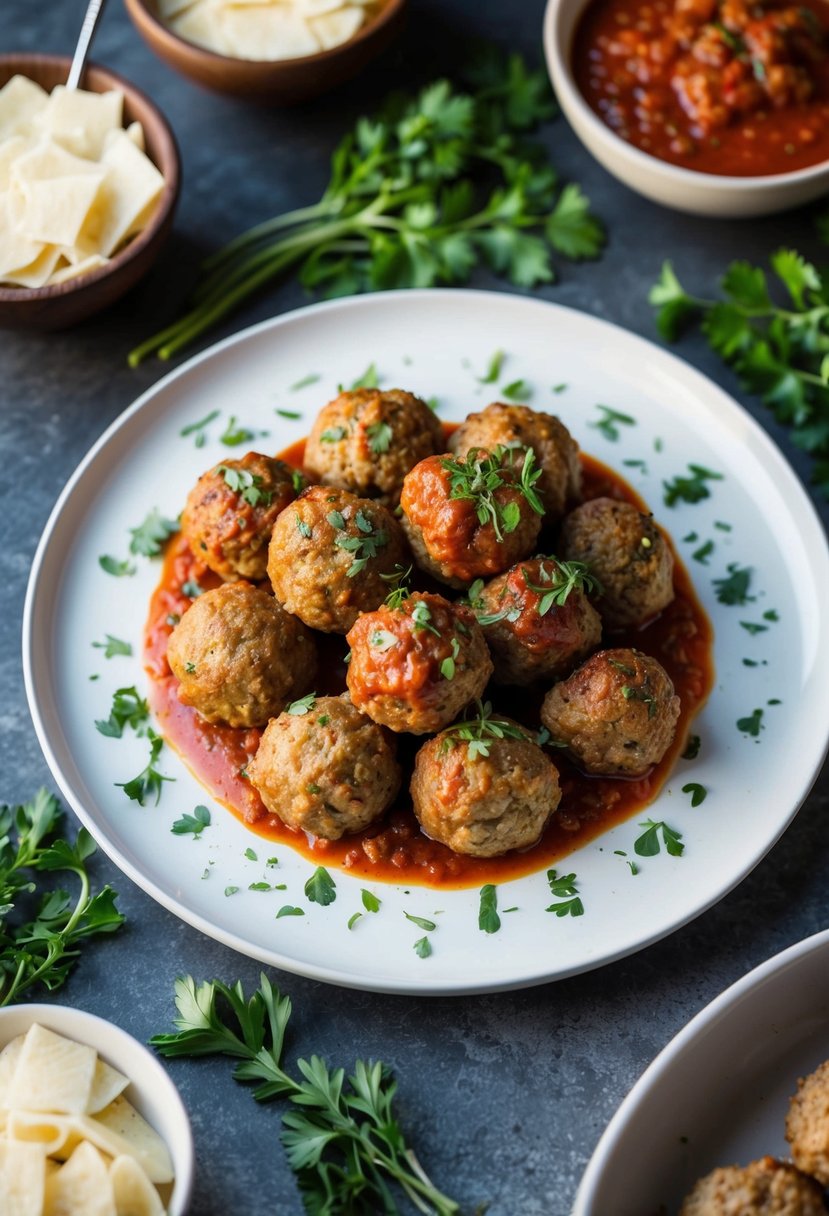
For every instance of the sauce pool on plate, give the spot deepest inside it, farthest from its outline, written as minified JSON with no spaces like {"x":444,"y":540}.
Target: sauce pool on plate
{"x":396,"y":850}
{"x":729,"y":87}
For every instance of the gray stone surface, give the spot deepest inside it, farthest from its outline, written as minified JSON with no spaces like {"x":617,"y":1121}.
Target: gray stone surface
{"x":504,"y":1096}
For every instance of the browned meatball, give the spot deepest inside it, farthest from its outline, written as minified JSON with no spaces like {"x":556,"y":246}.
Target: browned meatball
{"x":763,"y":1188}
{"x":628,"y":554}
{"x":324,"y":768}
{"x":555,"y":448}
{"x":366,"y":440}
{"x":231,"y":510}
{"x":617,"y":713}
{"x":328,"y":553}
{"x":414,"y":667}
{"x":239,"y":657}
{"x":537,"y":620}
{"x":488,"y":798}
{"x":807,"y":1124}
{"x":471,"y":517}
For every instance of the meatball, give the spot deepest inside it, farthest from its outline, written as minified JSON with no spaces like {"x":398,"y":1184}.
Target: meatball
{"x":537,"y":620}
{"x":468,"y":518}
{"x":484,"y":804}
{"x":328,"y":554}
{"x":367,"y":440}
{"x":807,"y":1124}
{"x":763,"y":1188}
{"x":327,"y":771}
{"x":414,"y":667}
{"x":628,"y":555}
{"x":239,"y":657}
{"x":616,"y":714}
{"x":512,"y":426}
{"x":231,"y":511}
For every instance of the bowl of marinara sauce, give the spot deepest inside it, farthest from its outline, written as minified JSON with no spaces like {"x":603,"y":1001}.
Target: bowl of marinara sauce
{"x":715,"y":107}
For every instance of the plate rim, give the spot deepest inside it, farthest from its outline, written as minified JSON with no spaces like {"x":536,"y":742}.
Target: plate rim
{"x":692,"y":377}
{"x":662,"y":1063}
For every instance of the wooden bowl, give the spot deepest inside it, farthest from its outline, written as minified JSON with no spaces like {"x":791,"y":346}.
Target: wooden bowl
{"x":282,"y":81}
{"x":67,"y":303}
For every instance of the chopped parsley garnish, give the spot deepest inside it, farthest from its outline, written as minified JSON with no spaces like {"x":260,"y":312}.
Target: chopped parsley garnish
{"x":428,"y":926}
{"x":369,"y":378}
{"x":291,"y":415}
{"x":198,"y":428}
{"x":565,"y":890}
{"x":149,"y":781}
{"x":647,"y":845}
{"x":610,"y":422}
{"x":234,"y":435}
{"x":477,"y":477}
{"x":302,"y":527}
{"x":247,"y":485}
{"x":363,"y":547}
{"x":305,"y":382}
{"x":422,"y":618}
{"x":691,"y":748}
{"x":333,"y":434}
{"x":631,"y":693}
{"x":447,"y":667}
{"x":304,"y":705}
{"x":488,"y":919}
{"x":113,"y":646}
{"x":400,"y":590}
{"x":557,"y":580}
{"x":771,"y":615}
{"x":321,"y":888}
{"x":231,"y":890}
{"x":251,"y":854}
{"x":192,"y":825}
{"x":128,"y":709}
{"x":753,"y":627}
{"x":352,"y":920}
{"x":336,"y":520}
{"x":559,"y":388}
{"x":118,"y":569}
{"x":370,"y":901}
{"x":423,"y":947}
{"x":479,"y":731}
{"x":474,"y":598}
{"x":703,"y":553}
{"x":289,"y":910}
{"x":733,"y":589}
{"x":752,"y":725}
{"x":192,"y":589}
{"x":689,"y":489}
{"x":493,"y":370}
{"x":380,"y":436}
{"x":517,"y":390}
{"x":698,"y":792}
{"x":149,"y":537}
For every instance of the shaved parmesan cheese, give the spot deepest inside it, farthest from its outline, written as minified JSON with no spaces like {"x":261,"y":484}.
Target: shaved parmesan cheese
{"x":331,"y":29}
{"x":81,"y":1187}
{"x":268,"y":29}
{"x":21,"y":101}
{"x":52,"y":1074}
{"x":134,"y":1194}
{"x":22,"y":1179}
{"x":80,"y":121}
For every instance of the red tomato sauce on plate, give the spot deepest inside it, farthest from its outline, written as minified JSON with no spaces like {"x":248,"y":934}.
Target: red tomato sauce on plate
{"x":395,"y":850}
{"x":733,"y":87}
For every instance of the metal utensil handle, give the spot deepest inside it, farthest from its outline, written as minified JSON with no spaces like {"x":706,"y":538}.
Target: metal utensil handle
{"x":87,"y":33}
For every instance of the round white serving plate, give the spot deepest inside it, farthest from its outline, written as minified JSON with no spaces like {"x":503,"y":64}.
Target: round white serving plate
{"x":719,"y":1092}
{"x":441,"y":343}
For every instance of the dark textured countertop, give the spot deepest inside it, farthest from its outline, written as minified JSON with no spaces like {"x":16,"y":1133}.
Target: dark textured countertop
{"x":504,"y":1096}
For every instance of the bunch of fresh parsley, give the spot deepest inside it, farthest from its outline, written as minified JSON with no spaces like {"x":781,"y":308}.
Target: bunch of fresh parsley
{"x":41,"y":929}
{"x":780,"y":351}
{"x":340,"y":1134}
{"x":419,"y":195}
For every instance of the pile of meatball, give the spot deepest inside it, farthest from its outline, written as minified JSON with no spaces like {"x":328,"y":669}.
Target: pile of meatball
{"x":769,"y":1187}
{"x":380,"y":510}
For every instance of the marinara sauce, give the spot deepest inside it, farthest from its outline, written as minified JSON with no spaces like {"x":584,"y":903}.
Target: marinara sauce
{"x":736,"y":87}
{"x":395,"y":849}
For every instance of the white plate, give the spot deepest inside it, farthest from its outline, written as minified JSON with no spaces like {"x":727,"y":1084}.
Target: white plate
{"x":719,"y":1092}
{"x":439,"y":343}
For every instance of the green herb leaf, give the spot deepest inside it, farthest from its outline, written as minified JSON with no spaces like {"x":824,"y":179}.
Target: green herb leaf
{"x":647,"y":845}
{"x":565,"y":890}
{"x":689,"y":489}
{"x":111,"y":565}
{"x":304,"y":705}
{"x":149,"y":781}
{"x":234,"y":435}
{"x":488,"y":919}
{"x":691,"y":748}
{"x":128,"y":709}
{"x":149,"y":537}
{"x":479,"y":731}
{"x":751,"y":725}
{"x":423,"y":947}
{"x":698,"y":792}
{"x":610,"y":422}
{"x":113,"y":646}
{"x":198,"y":428}
{"x":320,"y":888}
{"x":370,"y":902}
{"x":192,"y":824}
{"x":369,"y":378}
{"x":380,"y":436}
{"x":734,"y":588}
{"x":421,"y":922}
{"x":493,"y":370}
{"x":313,"y":378}
{"x":571,"y":229}
{"x":289,"y":910}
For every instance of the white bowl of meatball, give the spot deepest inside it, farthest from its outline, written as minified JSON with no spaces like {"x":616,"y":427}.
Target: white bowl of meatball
{"x":424,"y":609}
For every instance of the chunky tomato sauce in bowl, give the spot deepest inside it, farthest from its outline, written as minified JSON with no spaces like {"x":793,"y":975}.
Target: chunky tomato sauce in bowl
{"x":717,"y":107}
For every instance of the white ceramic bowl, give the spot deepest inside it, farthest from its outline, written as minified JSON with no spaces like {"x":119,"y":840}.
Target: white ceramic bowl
{"x":682,"y":189}
{"x":150,"y":1091}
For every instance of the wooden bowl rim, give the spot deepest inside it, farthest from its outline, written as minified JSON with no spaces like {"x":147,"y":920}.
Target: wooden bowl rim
{"x":174,"y":41}
{"x":169,"y":195}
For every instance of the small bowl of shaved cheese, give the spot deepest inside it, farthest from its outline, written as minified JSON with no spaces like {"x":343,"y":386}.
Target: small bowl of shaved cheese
{"x":284,"y":51}
{"x":89,"y":1120}
{"x":89,"y":179}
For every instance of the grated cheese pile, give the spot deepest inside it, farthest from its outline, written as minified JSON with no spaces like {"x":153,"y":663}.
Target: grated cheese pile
{"x":267,"y":29}
{"x":74,"y":185}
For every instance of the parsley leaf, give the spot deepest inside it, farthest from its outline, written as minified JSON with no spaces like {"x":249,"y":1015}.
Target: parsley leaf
{"x":380,"y":436}
{"x":118,"y":569}
{"x":423,"y":947}
{"x":698,"y":792}
{"x":689,"y":489}
{"x":478,"y":731}
{"x":234,"y":435}
{"x":610,"y":422}
{"x":517,"y":390}
{"x":193,"y":824}
{"x":128,"y":709}
{"x":149,"y":537}
{"x":302,"y":706}
{"x":198,"y":428}
{"x":565,"y":890}
{"x":113,"y":646}
{"x":647,"y":845}
{"x":320,"y":888}
{"x":149,"y":781}
{"x":421,"y":922}
{"x":369,"y":378}
{"x":493,"y":370}
{"x":733,"y":589}
{"x":488,"y":919}
{"x":751,"y":725}
{"x":571,"y":229}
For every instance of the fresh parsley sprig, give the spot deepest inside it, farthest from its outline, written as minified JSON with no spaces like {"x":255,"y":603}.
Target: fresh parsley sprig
{"x":557,"y":579}
{"x":419,"y":195}
{"x":340,"y":1134}
{"x":478,"y":476}
{"x":44,"y":949}
{"x":779,"y":351}
{"x":479,"y":731}
{"x":149,"y":781}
